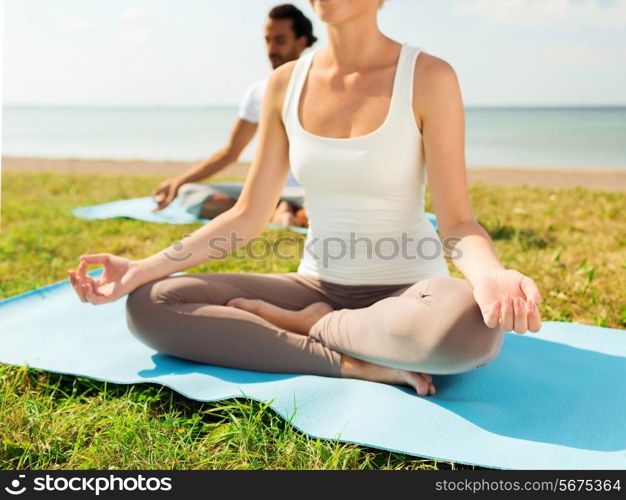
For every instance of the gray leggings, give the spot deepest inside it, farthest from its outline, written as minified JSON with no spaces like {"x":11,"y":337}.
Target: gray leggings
{"x":433,"y":326}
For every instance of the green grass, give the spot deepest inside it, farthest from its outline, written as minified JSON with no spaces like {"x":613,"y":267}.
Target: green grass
{"x":572,"y":242}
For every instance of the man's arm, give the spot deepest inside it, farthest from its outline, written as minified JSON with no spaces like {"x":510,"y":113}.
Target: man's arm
{"x":240,"y":136}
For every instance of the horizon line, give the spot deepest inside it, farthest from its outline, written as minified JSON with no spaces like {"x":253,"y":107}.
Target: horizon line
{"x":230,"y":106}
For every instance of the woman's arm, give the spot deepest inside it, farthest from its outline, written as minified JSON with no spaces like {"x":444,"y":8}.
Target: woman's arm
{"x":501,"y":293}
{"x":439,"y":105}
{"x":222,"y":235}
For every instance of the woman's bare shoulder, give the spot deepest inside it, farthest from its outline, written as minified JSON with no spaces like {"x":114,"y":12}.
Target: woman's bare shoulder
{"x":432,"y":72}
{"x":434,"y":81}
{"x":278,"y":82}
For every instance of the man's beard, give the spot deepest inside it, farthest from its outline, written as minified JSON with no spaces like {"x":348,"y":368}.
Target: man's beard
{"x":277,"y":60}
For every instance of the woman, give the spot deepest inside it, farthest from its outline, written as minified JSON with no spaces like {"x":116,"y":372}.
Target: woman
{"x":361,"y":121}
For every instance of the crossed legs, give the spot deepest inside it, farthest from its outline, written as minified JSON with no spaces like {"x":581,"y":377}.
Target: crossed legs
{"x":275,"y":322}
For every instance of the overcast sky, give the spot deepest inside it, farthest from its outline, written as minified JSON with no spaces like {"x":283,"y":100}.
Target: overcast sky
{"x":200,"y":52}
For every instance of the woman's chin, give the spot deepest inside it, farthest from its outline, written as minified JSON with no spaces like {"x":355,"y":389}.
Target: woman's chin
{"x":337,"y":15}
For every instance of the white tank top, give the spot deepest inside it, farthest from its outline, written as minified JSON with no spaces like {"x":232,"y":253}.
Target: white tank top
{"x":365,"y":194}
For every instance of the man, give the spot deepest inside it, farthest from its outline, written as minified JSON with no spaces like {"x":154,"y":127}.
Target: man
{"x":288,"y":32}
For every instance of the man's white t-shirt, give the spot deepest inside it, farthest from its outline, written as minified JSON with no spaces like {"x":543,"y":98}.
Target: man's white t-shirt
{"x":250,"y":110}
{"x":250,"y":106}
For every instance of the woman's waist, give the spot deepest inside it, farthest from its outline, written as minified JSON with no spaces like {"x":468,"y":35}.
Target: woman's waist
{"x":381,"y":271}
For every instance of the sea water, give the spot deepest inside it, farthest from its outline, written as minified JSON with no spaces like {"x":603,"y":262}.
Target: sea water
{"x":517,"y":137}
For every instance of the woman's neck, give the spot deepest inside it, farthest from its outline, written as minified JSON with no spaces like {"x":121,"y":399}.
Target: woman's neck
{"x":356,"y":43}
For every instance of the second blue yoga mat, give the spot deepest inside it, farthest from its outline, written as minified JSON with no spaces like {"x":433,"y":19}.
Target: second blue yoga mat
{"x":141,"y":209}
{"x":555,"y":399}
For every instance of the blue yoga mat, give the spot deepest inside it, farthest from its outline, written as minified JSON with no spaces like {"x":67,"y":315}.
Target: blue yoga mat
{"x":174,"y":213}
{"x":555,"y":399}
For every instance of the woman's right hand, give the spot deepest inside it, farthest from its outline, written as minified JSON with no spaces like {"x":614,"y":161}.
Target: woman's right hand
{"x":165,"y":193}
{"x":120,"y":277}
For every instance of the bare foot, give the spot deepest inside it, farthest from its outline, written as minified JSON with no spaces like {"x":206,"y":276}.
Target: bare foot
{"x":284,"y":219}
{"x":284,"y":215}
{"x":299,"y":321}
{"x":216,"y":204}
{"x":356,"y":368}
{"x":302,"y":320}
{"x":301,"y":217}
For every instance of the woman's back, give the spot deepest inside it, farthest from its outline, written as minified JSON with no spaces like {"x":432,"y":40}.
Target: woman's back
{"x":365,"y":194}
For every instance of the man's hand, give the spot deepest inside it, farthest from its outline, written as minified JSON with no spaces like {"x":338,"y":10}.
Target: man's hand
{"x":165,"y":193}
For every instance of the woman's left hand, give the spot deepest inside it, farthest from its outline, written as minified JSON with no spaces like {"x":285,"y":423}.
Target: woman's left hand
{"x":509,"y":298}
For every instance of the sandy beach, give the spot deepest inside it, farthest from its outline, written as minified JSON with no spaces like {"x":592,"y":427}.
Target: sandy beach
{"x":596,"y":179}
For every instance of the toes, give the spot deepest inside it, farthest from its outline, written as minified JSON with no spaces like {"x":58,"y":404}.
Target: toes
{"x":423,"y":388}
{"x":420,"y":385}
{"x":428,"y":383}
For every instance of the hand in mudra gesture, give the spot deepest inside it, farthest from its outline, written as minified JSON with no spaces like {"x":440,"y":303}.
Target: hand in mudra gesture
{"x":509,"y":298}
{"x":165,"y":193}
{"x":118,"y":278}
